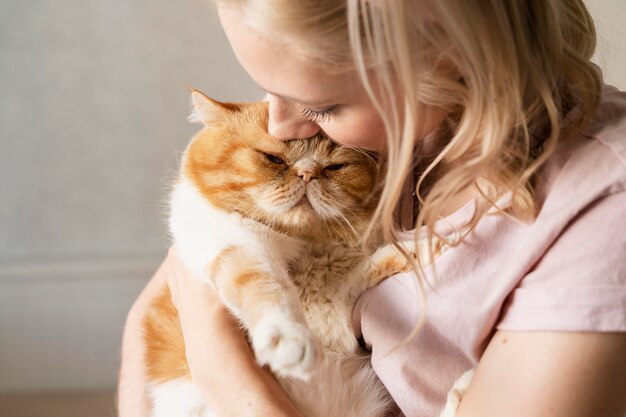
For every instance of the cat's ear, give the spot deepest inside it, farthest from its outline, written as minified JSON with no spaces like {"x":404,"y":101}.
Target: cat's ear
{"x":207,"y":111}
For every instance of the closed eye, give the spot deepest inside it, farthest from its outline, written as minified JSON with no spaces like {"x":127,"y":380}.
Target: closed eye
{"x":318,"y":116}
{"x":273,"y":158}
{"x":334,"y":167}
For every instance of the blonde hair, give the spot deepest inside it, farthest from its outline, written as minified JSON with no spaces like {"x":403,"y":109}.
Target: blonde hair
{"x":507,"y":71}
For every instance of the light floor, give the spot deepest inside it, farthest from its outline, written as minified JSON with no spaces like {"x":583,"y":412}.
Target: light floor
{"x":99,"y":404}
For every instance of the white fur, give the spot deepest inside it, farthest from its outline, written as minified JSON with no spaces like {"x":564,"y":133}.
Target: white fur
{"x":205,"y":110}
{"x":323,"y":285}
{"x":286,"y":345}
{"x":200,"y":232}
{"x":343,"y":386}
{"x":343,"y":383}
{"x":456,"y":394}
{"x":179,"y":398}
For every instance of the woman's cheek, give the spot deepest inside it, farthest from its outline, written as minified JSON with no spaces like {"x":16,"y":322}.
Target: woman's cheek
{"x":368,"y":133}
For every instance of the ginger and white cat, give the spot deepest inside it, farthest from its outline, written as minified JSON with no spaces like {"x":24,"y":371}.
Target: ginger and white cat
{"x":276,"y":227}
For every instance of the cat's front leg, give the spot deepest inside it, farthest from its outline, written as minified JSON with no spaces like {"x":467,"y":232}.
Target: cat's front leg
{"x":388,"y":261}
{"x":267,"y":303}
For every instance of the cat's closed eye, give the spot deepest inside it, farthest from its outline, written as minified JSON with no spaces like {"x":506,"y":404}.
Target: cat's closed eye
{"x":334,"y":167}
{"x":273,"y":158}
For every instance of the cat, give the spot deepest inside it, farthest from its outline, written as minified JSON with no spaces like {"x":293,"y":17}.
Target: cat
{"x":276,"y":227}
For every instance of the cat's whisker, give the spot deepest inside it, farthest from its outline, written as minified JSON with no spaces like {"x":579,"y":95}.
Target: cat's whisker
{"x":337,"y":208}
{"x":287,"y":269}
{"x":356,"y":216}
{"x":343,"y":223}
{"x":326,"y":223}
{"x":350,"y":223}
{"x":351,"y":232}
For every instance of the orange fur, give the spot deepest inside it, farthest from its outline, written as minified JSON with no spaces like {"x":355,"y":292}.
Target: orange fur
{"x":242,"y":283}
{"x":245,"y":278}
{"x":215,"y":266}
{"x":165,"y":346}
{"x":226,"y":160}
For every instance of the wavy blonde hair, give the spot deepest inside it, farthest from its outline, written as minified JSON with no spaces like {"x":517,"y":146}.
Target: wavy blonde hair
{"x":507,"y":71}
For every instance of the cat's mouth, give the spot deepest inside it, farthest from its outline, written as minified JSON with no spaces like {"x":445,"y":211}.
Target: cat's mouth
{"x":303,"y":203}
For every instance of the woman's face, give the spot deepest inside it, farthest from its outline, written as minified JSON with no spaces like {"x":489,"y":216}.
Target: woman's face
{"x":304,"y":98}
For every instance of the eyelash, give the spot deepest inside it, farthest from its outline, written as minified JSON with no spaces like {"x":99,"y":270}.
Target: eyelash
{"x":317,"y":116}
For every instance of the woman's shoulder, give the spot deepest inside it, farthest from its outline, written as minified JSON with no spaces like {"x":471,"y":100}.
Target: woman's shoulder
{"x":563,"y":271}
{"x":607,"y":129}
{"x":610,"y":117}
{"x":592,"y":164}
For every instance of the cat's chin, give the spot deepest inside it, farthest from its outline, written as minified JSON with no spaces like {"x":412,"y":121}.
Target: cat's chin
{"x":301,"y":221}
{"x":303,"y":215}
{"x":303,"y":204}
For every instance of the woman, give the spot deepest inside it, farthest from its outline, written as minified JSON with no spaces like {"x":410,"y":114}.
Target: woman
{"x":507,"y":152}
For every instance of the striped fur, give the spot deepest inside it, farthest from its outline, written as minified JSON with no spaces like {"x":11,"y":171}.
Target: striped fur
{"x":276,"y":227}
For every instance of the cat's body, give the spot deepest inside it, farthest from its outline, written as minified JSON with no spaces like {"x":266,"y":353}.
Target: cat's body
{"x":275,"y":227}
{"x":343,"y":382}
{"x":328,"y":281}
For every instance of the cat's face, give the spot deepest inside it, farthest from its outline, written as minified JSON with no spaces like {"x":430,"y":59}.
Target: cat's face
{"x":304,"y":187}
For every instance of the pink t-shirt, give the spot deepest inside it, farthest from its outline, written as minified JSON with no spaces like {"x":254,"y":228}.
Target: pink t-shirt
{"x":566,"y":271}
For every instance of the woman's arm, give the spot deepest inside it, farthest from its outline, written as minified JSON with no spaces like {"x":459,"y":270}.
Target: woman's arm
{"x":213,"y":341}
{"x":132,"y":400}
{"x":547,"y":374}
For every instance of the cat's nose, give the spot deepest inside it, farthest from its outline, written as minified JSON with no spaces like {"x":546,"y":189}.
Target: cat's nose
{"x":307,"y":175}
{"x":306,"y":169}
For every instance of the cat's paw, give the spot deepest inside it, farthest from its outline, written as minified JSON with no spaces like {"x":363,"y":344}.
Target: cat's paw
{"x":388,"y":261}
{"x":286,"y":345}
{"x":456,"y":394}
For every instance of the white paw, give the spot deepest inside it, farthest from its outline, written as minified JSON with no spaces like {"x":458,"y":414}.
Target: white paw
{"x":286,"y":345}
{"x":456,"y":394}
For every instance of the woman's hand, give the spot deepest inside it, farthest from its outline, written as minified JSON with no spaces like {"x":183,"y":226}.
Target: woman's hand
{"x":220,"y":360}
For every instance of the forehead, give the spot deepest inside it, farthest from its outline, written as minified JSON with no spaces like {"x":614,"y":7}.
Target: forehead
{"x":281,"y":70}
{"x":315,"y":146}
{"x":324,"y":151}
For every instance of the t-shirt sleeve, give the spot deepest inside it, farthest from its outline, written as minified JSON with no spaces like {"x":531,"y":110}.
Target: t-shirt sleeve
{"x":580,"y":282}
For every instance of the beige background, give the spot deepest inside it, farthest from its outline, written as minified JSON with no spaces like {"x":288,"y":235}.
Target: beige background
{"x":610,"y":19}
{"x":93,"y":107}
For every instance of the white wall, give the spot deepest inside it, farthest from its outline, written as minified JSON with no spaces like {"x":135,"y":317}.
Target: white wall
{"x":93,"y":107}
{"x":610,"y":19}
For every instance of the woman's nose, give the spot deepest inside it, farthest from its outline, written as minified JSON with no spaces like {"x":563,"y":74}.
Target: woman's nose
{"x":287,"y":122}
